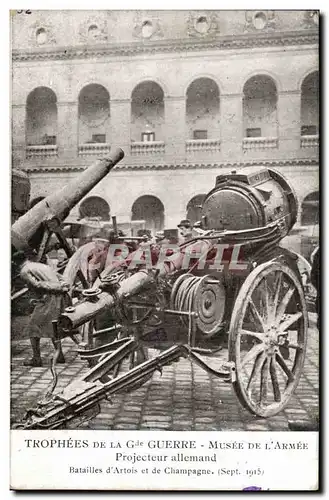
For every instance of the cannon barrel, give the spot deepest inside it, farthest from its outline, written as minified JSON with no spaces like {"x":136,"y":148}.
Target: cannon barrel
{"x":59,"y":204}
{"x":87,"y":310}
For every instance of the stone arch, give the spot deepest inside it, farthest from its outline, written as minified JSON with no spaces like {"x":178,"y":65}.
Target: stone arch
{"x":150,"y":78}
{"x":209,"y":76}
{"x":194,"y":207}
{"x":263,"y":72}
{"x":310,"y":209}
{"x":150,"y":209}
{"x":94,"y":207}
{"x":305,"y":75}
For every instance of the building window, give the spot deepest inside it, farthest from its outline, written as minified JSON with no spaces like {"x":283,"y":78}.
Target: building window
{"x":260,"y":106}
{"x":147,"y":112}
{"x":203,"y":109}
{"x":150,"y":210}
{"x":147,"y":29}
{"x":41,"y":36}
{"x":148,"y":136}
{"x":99,"y":138}
{"x":310,"y":104}
{"x":309,"y":130}
{"x":202,"y":25}
{"x":254,"y":132}
{"x":194,"y":208}
{"x":310,"y":210}
{"x":94,"y":207}
{"x":94,"y":114}
{"x":41,"y":117}
{"x":93,"y":32}
{"x":260,"y":20}
{"x":200,"y":134}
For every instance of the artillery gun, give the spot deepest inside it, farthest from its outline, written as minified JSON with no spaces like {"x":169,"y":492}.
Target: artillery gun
{"x":32,"y":232}
{"x":255,"y":308}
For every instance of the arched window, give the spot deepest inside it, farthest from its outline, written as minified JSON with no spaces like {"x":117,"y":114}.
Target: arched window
{"x":94,"y":115}
{"x":310,"y":105}
{"x":260,"y":107}
{"x":202,"y":109}
{"x":41,"y":36}
{"x":193,"y":209}
{"x":151,"y":210}
{"x":93,"y":32}
{"x":94,"y":207}
{"x":41,"y":117}
{"x":310,"y":209}
{"x":147,"y":113}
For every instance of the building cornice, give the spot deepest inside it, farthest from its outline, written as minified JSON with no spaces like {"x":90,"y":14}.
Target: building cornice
{"x":183,"y":166}
{"x":243,"y":41}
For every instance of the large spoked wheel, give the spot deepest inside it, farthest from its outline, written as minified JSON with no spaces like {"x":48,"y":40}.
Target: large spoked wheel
{"x":80,"y":262}
{"x":267,"y":338}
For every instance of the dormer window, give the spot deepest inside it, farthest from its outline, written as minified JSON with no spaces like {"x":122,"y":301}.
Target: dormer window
{"x":147,"y":29}
{"x":202,"y":25}
{"x":41,"y":36}
{"x":260,"y":20}
{"x":93,"y":32}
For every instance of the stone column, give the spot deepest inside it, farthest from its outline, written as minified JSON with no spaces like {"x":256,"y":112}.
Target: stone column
{"x":18,"y":135}
{"x":289,"y":120}
{"x":175,"y":128}
{"x":120,"y":111}
{"x":231,"y":116}
{"x":67,"y":129}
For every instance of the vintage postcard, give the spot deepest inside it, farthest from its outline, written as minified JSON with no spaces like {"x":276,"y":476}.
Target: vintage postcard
{"x":165,"y":260}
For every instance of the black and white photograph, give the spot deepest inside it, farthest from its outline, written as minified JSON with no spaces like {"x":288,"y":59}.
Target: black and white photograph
{"x":165,"y":254}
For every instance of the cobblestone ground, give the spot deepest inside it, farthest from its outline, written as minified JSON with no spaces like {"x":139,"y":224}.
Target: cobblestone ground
{"x":184,"y":397}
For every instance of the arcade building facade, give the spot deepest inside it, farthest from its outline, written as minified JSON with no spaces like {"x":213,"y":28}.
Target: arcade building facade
{"x":187,"y":95}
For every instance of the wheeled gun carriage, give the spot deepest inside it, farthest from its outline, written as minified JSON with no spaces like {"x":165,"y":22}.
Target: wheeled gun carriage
{"x":248,"y":302}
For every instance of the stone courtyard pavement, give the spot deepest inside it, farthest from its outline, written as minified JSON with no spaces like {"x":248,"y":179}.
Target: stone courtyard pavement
{"x":184,"y":397}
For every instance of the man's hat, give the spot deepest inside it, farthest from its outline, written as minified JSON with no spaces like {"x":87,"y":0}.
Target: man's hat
{"x":185,"y":223}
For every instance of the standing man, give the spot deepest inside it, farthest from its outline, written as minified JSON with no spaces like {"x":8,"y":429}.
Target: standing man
{"x":185,"y":230}
{"x":49,"y":291}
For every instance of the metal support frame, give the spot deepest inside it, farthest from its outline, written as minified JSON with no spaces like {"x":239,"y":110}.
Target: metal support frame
{"x":87,"y":391}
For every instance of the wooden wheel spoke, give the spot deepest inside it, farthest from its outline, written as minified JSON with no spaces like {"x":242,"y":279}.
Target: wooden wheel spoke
{"x":254,"y":351}
{"x":285,"y":367}
{"x":264,"y":376}
{"x":284,"y":303}
{"x":289,"y":321}
{"x":277,"y":288}
{"x":259,"y":362}
{"x":257,"y":335}
{"x":266,"y":300}
{"x":275,"y":382}
{"x":256,"y":313}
